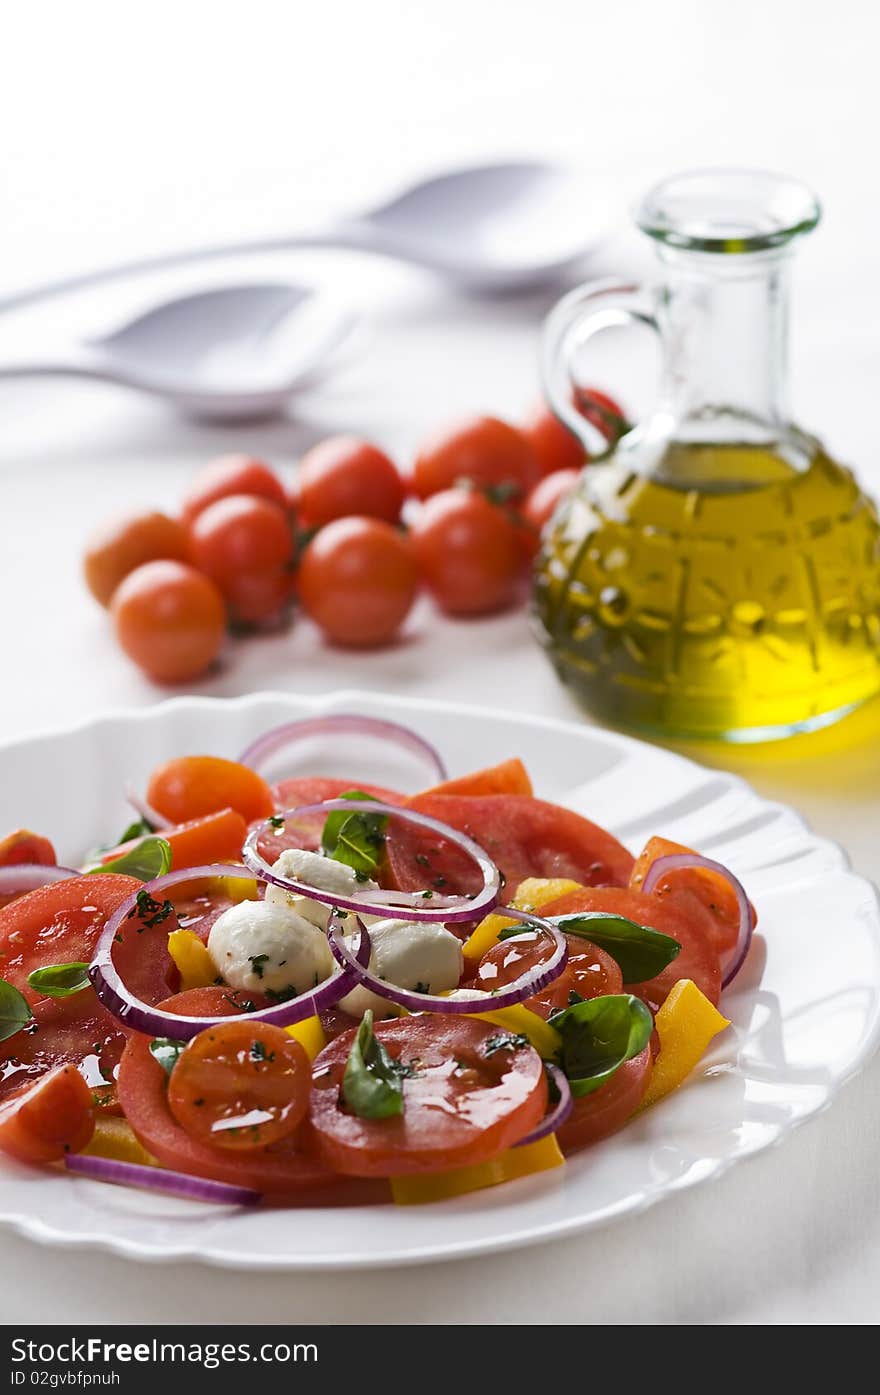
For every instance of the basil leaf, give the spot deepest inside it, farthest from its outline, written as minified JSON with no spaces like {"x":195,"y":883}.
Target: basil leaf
{"x":149,"y":858}
{"x":60,"y":980}
{"x":598,"y":1036}
{"x":166,"y":1052}
{"x":355,"y":839}
{"x":14,"y":1010}
{"x":372,"y":1086}
{"x":640,"y":951}
{"x":139,"y":829}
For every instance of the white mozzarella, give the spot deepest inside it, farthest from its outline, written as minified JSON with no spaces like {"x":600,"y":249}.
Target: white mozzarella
{"x":323,"y":873}
{"x":423,"y":957}
{"x":258,"y":945}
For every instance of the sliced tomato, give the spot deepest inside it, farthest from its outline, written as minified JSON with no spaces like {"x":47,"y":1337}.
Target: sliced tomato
{"x":240,"y":1086}
{"x":61,"y":924}
{"x":525,"y":837}
{"x":715,"y":893}
{"x":466,"y":1100}
{"x":47,"y":1118}
{"x":590,"y":972}
{"x":509,"y":777}
{"x":607,"y":1109}
{"x":215,"y":838}
{"x":684,"y":918}
{"x":281,"y":1168}
{"x":24,"y":846}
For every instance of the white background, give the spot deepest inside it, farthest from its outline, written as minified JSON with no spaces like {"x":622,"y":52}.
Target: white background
{"x":129,"y":129}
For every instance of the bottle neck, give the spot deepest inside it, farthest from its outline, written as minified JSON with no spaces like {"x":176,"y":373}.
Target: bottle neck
{"x":724,"y":322}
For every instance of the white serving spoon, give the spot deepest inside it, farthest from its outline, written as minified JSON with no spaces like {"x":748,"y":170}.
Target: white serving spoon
{"x":493,"y":227}
{"x":234,"y":353}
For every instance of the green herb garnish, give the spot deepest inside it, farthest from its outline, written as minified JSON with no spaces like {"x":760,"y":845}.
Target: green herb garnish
{"x":256,"y":962}
{"x":357,"y":840}
{"x":506,"y":1041}
{"x":167,"y":1052}
{"x":14,"y":1010}
{"x":59,"y":980}
{"x":598,"y":1036}
{"x":640,"y":951}
{"x":150,"y":911}
{"x":149,"y":858}
{"x":276,"y":820}
{"x":372,"y":1086}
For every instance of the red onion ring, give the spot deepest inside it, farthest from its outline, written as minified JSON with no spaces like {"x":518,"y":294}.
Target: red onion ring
{"x":159,"y":1179}
{"x":560,"y":1111}
{"x":140,"y":1016}
{"x":146,"y":811}
{"x":28,"y":876}
{"x":338,"y":722}
{"x":673,"y":862}
{"x":532,"y":981}
{"x":383,"y":903}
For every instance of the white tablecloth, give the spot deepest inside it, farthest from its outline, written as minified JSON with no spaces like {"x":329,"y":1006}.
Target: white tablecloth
{"x":141,"y":134}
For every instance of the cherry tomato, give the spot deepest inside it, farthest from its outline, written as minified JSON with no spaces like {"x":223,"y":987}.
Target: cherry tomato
{"x":468,"y":552}
{"x":466,"y":1100}
{"x":358,"y":580}
{"x":489,"y":453}
{"x":555,"y":447}
{"x":602,"y":411}
{"x":189,"y":787}
{"x":590,"y":972}
{"x":240,"y":534}
{"x":259,"y":600}
{"x":24,"y":846}
{"x":344,"y":476}
{"x":125,"y":543}
{"x":285,"y":1167}
{"x":170,"y":620}
{"x":710,"y":889}
{"x":231,"y":474}
{"x":682,"y":917}
{"x":607,"y":1109}
{"x":240,"y":1086}
{"x":42,"y":1121}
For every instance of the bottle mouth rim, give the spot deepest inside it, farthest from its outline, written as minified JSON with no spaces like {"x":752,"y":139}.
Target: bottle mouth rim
{"x":732,"y":211}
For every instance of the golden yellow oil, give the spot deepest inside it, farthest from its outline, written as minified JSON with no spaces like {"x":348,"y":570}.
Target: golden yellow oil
{"x":744,"y":610}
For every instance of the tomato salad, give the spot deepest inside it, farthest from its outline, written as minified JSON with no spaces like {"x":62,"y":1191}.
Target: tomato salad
{"x":260,"y":990}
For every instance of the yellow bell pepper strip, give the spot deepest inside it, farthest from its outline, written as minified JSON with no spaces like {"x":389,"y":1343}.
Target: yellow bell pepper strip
{"x":531,"y":895}
{"x":685,"y":1024}
{"x":540,"y":1156}
{"x":518,"y":1019}
{"x":236,"y":888}
{"x":310,"y":1035}
{"x":197,"y":968}
{"x":114,"y":1138}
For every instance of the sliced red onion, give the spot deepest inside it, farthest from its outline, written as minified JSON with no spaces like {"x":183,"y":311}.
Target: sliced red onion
{"x":560,"y":1111}
{"x":140,"y":1016}
{"x":271,"y":742}
{"x":28,"y":876}
{"x":146,"y":811}
{"x":419,"y":905}
{"x":160,"y":1179}
{"x":673,"y":862}
{"x":530,"y":982}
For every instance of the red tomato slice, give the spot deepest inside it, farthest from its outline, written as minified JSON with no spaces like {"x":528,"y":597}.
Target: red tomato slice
{"x":282,"y":1168}
{"x":710,"y":889}
{"x":215,"y":838}
{"x":510,"y":777}
{"x":590,"y":972}
{"x":61,"y":924}
{"x":684,"y":918}
{"x":463,"y":1104}
{"x":525,"y":837}
{"x":607,"y":1109}
{"x":313,"y":789}
{"x":48,"y":1118}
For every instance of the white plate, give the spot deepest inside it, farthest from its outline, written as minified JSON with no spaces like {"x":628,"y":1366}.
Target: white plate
{"x":804,"y":1010}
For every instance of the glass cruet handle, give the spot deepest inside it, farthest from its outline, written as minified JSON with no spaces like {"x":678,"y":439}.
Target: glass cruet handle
{"x":580,"y":315}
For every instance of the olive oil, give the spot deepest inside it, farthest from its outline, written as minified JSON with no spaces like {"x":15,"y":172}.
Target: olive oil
{"x":723,"y":592}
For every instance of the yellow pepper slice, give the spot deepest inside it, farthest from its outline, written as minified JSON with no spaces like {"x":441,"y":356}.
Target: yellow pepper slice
{"x":115,"y":1138}
{"x":236,"y":888}
{"x":540,"y":1156}
{"x":531,"y":895}
{"x":197,"y":968}
{"x":685,"y":1024}
{"x":544,"y":1038}
{"x":310,"y":1035}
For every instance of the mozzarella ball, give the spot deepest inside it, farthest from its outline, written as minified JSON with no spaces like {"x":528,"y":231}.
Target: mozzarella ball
{"x":323,"y":873}
{"x":258,"y":946}
{"x":422,"y":957}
